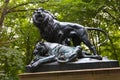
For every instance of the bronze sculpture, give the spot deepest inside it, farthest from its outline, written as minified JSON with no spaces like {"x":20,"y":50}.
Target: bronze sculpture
{"x":55,"y":31}
{"x":57,"y":49}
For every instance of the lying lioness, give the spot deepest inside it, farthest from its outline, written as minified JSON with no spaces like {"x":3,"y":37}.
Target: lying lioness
{"x":48,"y":52}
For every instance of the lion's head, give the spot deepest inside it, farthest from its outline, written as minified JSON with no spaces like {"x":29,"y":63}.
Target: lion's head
{"x":42,"y":16}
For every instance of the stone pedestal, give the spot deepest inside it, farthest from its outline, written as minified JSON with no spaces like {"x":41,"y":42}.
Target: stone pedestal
{"x":83,"y":69}
{"x":84,"y":74}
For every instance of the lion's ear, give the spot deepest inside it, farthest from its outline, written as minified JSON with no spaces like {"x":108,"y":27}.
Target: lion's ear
{"x":41,"y":8}
{"x":35,"y":11}
{"x":41,"y":42}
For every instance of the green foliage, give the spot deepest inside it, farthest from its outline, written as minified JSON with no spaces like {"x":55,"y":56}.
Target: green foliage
{"x":11,"y":61}
{"x":18,"y":35}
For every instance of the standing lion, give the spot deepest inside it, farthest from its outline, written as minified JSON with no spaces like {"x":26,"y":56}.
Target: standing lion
{"x":55,"y":31}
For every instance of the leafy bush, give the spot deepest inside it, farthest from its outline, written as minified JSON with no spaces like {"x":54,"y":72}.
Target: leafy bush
{"x":11,"y":63}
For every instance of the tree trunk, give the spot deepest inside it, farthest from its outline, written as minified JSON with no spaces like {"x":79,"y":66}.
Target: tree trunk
{"x":3,"y":13}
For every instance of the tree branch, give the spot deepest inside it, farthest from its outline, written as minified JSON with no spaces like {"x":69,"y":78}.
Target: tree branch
{"x":118,"y":22}
{"x":10,"y":11}
{"x":5,"y":9}
{"x":22,"y":4}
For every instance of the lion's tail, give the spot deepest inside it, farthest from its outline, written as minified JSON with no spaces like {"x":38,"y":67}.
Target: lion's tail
{"x":99,"y":30}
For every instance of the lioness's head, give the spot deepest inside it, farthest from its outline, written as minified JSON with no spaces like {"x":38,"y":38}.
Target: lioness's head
{"x":40,"y":49}
{"x":41,"y":16}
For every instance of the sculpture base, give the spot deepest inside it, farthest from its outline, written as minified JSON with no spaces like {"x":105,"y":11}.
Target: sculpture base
{"x":84,"y":63}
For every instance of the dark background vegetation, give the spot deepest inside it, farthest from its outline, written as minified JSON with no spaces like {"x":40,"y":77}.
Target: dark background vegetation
{"x":18,"y":35}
